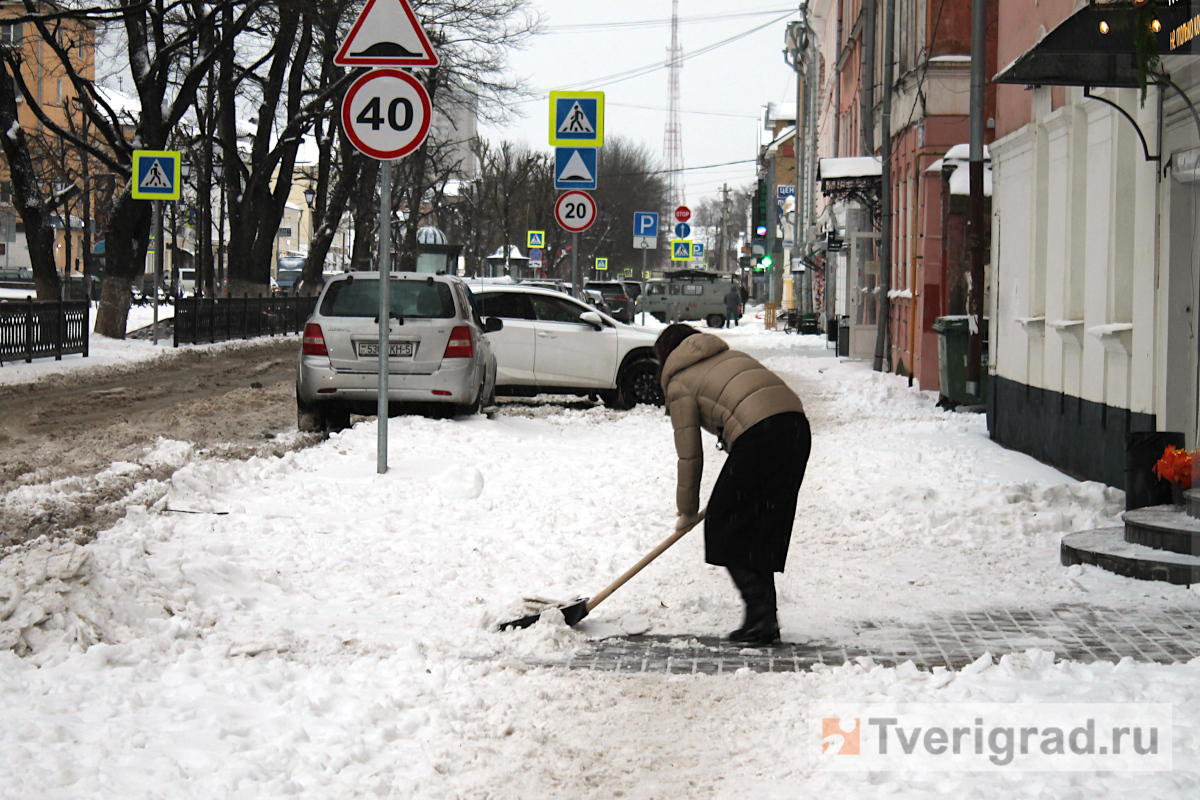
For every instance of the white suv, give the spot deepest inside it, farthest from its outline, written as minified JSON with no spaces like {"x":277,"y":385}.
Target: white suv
{"x":440,"y":361}
{"x":552,"y":343}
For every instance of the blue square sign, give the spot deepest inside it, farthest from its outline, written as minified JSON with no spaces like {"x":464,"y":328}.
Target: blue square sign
{"x":575,"y":168}
{"x":577,"y":118}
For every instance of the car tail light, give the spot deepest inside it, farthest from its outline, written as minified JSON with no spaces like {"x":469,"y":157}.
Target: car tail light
{"x":314,"y":341}
{"x":459,"y":345}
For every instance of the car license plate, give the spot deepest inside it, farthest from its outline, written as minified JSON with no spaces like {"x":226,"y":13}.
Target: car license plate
{"x":399,"y":349}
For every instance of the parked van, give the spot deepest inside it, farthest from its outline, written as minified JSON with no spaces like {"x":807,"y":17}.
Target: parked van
{"x":187,"y":283}
{"x":686,"y":294}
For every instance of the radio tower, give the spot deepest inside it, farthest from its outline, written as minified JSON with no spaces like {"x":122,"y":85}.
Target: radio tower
{"x":673,"y":137}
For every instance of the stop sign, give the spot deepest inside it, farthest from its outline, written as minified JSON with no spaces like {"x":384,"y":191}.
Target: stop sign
{"x":683,"y":214}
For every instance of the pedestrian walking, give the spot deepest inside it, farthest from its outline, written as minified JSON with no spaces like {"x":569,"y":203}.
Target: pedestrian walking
{"x":733,"y":306}
{"x":760,"y":422}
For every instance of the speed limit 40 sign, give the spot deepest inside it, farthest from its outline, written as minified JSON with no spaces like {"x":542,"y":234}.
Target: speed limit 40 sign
{"x":575,"y":211}
{"x":386,"y":114}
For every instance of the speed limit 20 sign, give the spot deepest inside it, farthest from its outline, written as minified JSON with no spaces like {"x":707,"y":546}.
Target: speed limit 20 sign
{"x":386,"y":114}
{"x":575,"y":211}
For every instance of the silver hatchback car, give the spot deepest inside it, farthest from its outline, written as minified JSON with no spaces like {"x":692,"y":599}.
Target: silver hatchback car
{"x":440,"y":362}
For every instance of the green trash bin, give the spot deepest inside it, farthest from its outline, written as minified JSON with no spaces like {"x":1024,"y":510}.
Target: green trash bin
{"x":953,"y":336}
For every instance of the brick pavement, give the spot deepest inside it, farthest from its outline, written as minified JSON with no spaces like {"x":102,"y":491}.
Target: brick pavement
{"x":1073,"y":632}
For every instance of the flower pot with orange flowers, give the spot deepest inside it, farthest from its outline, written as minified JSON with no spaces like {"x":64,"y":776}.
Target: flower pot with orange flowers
{"x":1175,"y":467}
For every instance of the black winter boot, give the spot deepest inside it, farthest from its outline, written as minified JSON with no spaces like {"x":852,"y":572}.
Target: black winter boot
{"x":761,"y":623}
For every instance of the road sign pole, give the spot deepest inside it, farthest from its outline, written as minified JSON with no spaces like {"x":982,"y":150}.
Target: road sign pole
{"x":158,"y":260}
{"x":576,"y":283}
{"x":385,"y":306}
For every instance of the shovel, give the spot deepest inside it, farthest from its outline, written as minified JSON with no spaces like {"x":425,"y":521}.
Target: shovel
{"x":576,"y":610}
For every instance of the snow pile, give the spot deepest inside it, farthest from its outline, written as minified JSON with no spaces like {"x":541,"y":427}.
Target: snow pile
{"x":302,"y":625}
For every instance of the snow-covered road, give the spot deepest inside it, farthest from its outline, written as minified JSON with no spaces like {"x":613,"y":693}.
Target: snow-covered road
{"x":322,"y":631}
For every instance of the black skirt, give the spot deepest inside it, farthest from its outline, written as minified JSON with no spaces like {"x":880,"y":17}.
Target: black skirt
{"x":753,"y":505}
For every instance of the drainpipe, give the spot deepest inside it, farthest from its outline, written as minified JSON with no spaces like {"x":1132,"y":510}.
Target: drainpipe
{"x":883,"y":338}
{"x":975,"y":304}
{"x":867,"y":79}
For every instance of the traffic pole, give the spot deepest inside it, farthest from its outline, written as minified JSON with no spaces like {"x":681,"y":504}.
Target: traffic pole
{"x":576,"y":278}
{"x":385,"y":307}
{"x":158,"y":260}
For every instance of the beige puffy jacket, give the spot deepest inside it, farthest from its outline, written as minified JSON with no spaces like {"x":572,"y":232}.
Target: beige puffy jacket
{"x":723,"y":391}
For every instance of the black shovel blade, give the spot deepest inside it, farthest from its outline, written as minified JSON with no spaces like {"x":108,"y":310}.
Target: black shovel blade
{"x":572,"y":613}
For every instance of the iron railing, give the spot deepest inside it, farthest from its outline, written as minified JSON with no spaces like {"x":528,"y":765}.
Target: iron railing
{"x":32,"y":329}
{"x":202,"y":320}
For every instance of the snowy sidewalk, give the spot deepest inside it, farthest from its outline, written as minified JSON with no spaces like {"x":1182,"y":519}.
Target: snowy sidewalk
{"x":314,"y":629}
{"x":1074,"y":632}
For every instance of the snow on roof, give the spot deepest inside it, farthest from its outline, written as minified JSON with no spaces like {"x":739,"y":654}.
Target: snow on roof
{"x":962,"y":152}
{"x":854,"y":167}
{"x":120,"y":102}
{"x":960,"y":181}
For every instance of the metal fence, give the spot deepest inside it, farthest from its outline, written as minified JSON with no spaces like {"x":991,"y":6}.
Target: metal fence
{"x":32,"y":329}
{"x":201,"y":320}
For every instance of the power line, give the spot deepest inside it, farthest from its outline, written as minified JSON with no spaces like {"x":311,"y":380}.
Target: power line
{"x":637,"y":72}
{"x":650,"y":23}
{"x":684,"y":111}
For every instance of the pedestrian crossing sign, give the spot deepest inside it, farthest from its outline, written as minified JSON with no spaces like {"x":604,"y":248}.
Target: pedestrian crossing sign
{"x":601,"y":263}
{"x":155,"y":175}
{"x":536,"y":241}
{"x":681,"y":250}
{"x":577,"y":118}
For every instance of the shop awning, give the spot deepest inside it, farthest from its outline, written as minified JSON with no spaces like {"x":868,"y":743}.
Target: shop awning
{"x":858,"y":179}
{"x":857,"y":167}
{"x":1095,"y":46}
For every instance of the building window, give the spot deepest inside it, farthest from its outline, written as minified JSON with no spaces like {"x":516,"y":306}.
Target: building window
{"x":11,"y":34}
{"x":285,"y":233}
{"x":6,"y":193}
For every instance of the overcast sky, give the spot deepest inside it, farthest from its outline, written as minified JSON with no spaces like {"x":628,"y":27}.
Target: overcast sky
{"x":722,"y":91}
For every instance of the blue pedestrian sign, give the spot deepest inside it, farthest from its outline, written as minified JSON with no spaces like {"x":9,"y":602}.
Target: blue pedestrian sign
{"x":536,"y":240}
{"x":575,"y":167}
{"x":698,"y":250}
{"x":681,"y":251}
{"x":155,"y":175}
{"x":577,"y":118}
{"x":683,"y":230}
{"x":645,"y":230}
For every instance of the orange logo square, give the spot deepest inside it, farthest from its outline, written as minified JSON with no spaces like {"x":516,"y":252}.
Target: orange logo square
{"x":839,"y":737}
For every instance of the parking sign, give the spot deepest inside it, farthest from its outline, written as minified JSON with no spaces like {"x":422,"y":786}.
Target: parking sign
{"x":645,"y":230}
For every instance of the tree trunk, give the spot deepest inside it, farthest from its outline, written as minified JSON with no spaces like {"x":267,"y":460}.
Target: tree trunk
{"x":113,"y":312}
{"x":126,"y":243}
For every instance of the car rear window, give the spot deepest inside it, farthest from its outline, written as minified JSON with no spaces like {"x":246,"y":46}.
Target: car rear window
{"x":416,"y":299}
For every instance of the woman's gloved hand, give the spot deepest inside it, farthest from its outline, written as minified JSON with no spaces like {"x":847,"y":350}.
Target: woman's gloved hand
{"x":685,"y":521}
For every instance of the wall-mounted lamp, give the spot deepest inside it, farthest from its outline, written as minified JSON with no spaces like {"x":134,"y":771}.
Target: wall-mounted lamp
{"x":1104,"y":27}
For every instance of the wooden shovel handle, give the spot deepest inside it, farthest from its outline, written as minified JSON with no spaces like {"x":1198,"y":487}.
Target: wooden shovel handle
{"x":639,"y":566}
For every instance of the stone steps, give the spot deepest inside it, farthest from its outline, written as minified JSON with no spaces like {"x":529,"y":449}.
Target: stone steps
{"x":1160,"y":543}
{"x":1163,"y":528}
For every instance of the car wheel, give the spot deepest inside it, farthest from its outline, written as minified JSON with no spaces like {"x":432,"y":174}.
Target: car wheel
{"x":638,"y":385}
{"x":337,"y":419}
{"x":471,"y":409}
{"x":716,"y":321}
{"x":309,"y":418}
